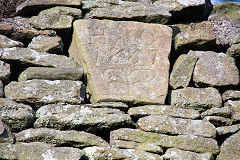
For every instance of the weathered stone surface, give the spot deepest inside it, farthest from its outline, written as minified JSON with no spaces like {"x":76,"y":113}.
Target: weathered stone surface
{"x":230,"y":149}
{"x":37,"y":150}
{"x":175,"y":126}
{"x":124,"y":61}
{"x":114,"y":105}
{"x":235,"y":106}
{"x":26,"y":56}
{"x":48,"y":44}
{"x":194,"y":36}
{"x":234,"y":51}
{"x":94,"y":153}
{"x":5,"y":42}
{"x":177,"y":154}
{"x":173,"y":111}
{"x":60,"y":138}
{"x":30,"y":6}
{"x":5,"y":133}
{"x":1,"y":89}
{"x":5,"y":71}
{"x":214,"y":69}
{"x":49,"y":73}
{"x":150,"y":147}
{"x":223,"y":112}
{"x":57,"y":18}
{"x":231,"y":95}
{"x":121,"y":10}
{"x":182,"y":71}
{"x":197,"y":98}
{"x":122,"y":137}
{"x":45,"y":91}
{"x":18,"y":116}
{"x":227,"y":130}
{"x":218,"y":121}
{"x":61,"y":116}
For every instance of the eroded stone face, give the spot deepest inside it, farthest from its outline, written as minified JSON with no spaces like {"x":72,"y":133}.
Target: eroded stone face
{"x":124,"y":61}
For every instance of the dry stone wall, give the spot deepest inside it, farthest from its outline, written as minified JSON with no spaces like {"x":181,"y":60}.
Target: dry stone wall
{"x":113,"y":79}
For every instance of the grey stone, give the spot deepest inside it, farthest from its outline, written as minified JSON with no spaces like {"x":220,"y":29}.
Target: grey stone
{"x":234,"y":51}
{"x":45,"y":91}
{"x":131,"y":138}
{"x":182,"y":71}
{"x":150,"y":147}
{"x":114,"y":105}
{"x":173,"y":111}
{"x":5,"y":71}
{"x":214,"y":69}
{"x":227,"y":130}
{"x":25,"y":56}
{"x":197,"y":98}
{"x":61,"y":116}
{"x":60,"y":138}
{"x":48,"y":73}
{"x":37,"y":150}
{"x":235,"y":106}
{"x":231,"y":95}
{"x":1,"y":89}
{"x":223,"y":112}
{"x":6,"y":135}
{"x":175,"y":126}
{"x":48,"y":44}
{"x":18,"y":116}
{"x":218,"y":121}
{"x":230,"y":149}
{"x":5,"y":42}
{"x":177,"y":154}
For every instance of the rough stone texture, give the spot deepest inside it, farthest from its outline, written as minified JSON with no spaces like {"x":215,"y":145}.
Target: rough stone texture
{"x":194,"y":36}
{"x":234,"y":51}
{"x":48,"y":73}
{"x":214,"y":69}
{"x":5,"y":71}
{"x":124,"y":61}
{"x":227,"y":130}
{"x":5,"y":133}
{"x":30,"y":6}
{"x":223,"y":112}
{"x":48,"y":44}
{"x":57,"y":18}
{"x":131,"y":138}
{"x":182,"y":71}
{"x":197,"y":98}
{"x":45,"y":91}
{"x":218,"y":121}
{"x":74,"y":117}
{"x":231,"y":95}
{"x":173,"y":111}
{"x":97,"y":153}
{"x":114,"y":105}
{"x":60,"y":138}
{"x":26,"y":56}
{"x":1,"y":89}
{"x":18,"y":116}
{"x":177,"y":154}
{"x":230,"y":149}
{"x":37,"y":150}
{"x":175,"y":126}
{"x":5,"y":42}
{"x":131,"y":11}
{"x":235,"y":106}
{"x":150,"y":147}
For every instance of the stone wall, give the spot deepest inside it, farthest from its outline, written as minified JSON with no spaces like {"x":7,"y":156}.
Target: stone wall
{"x":112,"y":79}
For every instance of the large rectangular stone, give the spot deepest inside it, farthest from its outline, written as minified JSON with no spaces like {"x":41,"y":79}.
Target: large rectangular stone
{"x":124,"y":61}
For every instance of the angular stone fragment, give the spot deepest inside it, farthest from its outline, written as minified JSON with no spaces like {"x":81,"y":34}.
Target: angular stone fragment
{"x":61,"y":116}
{"x":227,"y":130}
{"x":94,"y":153}
{"x":37,"y":150}
{"x":182,"y":71}
{"x":150,"y":147}
{"x":5,"y":42}
{"x":45,"y":91}
{"x":4,"y":71}
{"x":52,"y":45}
{"x":234,"y":51}
{"x":60,"y":138}
{"x":18,"y":116}
{"x":230,"y":149}
{"x":119,"y":138}
{"x":1,"y":89}
{"x":173,"y":111}
{"x":30,"y":6}
{"x":5,"y":133}
{"x":231,"y":95}
{"x":48,"y":73}
{"x":124,"y":61}
{"x":31,"y":57}
{"x":175,"y":126}
{"x":114,"y":105}
{"x":218,"y":121}
{"x":235,"y":106}
{"x":177,"y":154}
{"x":214,"y":69}
{"x":197,"y":98}
{"x":131,"y":11}
{"x":223,"y":112}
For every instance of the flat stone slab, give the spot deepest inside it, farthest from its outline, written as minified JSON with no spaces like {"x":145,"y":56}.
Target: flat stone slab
{"x":235,"y":106}
{"x":175,"y":126}
{"x":218,"y":121}
{"x":131,"y":138}
{"x":5,"y":42}
{"x":58,"y":138}
{"x":223,"y":112}
{"x":38,"y":150}
{"x":114,"y":105}
{"x":5,"y":71}
{"x":45,"y":91}
{"x":228,"y":130}
{"x":231,"y":95}
{"x":61,"y":116}
{"x":173,"y":111}
{"x":124,"y":61}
